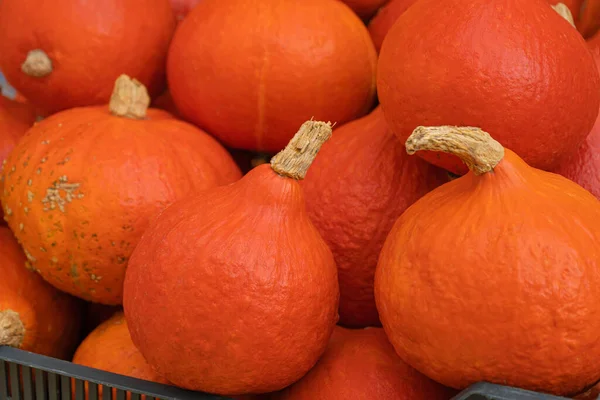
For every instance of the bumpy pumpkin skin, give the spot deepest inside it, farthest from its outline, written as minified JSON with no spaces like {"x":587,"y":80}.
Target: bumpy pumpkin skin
{"x":109,"y":348}
{"x":51,"y":319}
{"x":244,"y":285}
{"x":583,"y":167}
{"x":361,"y":364}
{"x":475,"y":283}
{"x":295,"y":67}
{"x":81,"y":187}
{"x":528,"y":78}
{"x":381,"y":23}
{"x":355,"y":190}
{"x":89,"y":43}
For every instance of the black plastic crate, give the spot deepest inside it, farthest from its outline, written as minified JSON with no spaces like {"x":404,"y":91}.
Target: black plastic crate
{"x":46,"y":378}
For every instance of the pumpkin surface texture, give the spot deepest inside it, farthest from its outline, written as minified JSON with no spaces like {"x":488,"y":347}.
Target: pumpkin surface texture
{"x":81,"y":187}
{"x":67,"y":53}
{"x":294,"y":67}
{"x":34,"y":316}
{"x":529,"y":78}
{"x":355,"y":190}
{"x":361,"y":364}
{"x":109,"y":348}
{"x":521,"y":245}
{"x":242,"y":281}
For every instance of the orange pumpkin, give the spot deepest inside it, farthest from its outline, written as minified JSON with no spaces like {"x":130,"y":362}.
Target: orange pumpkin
{"x":294,"y":67}
{"x":589,"y":21}
{"x":82,"y":186}
{"x":361,"y":364}
{"x":63,"y":53}
{"x":243,"y":284}
{"x":494,"y":276}
{"x":355,"y":190}
{"x":529,"y":78}
{"x":109,"y":348}
{"x":33,"y":315}
{"x":385,"y":19}
{"x":181,"y":8}
{"x":365,"y":9}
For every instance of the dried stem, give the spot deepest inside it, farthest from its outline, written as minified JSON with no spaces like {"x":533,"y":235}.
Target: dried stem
{"x":37,"y":64}
{"x":298,"y":155}
{"x":12,"y":330}
{"x":129,"y":98}
{"x":564,"y":12}
{"x":475,"y":147}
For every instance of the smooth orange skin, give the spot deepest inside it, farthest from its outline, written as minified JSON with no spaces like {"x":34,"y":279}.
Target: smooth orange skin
{"x":109,"y":348}
{"x":52,"y":319}
{"x":243,"y":284}
{"x":251,"y":72}
{"x":361,"y":364}
{"x":90,"y":44}
{"x":365,"y":9}
{"x":381,"y":23}
{"x":497,"y":278}
{"x":507,"y":66}
{"x":583,"y":167}
{"x":127,"y":170}
{"x":355,"y":190}
{"x":15,"y":119}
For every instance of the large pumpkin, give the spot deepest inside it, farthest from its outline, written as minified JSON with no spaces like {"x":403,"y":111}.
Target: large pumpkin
{"x":34,"y":316}
{"x":355,"y":190}
{"x":83,"y":184}
{"x":494,"y":276}
{"x":242,"y":283}
{"x":529,"y":78}
{"x":275,"y":66}
{"x":67,"y":53}
{"x":361,"y":364}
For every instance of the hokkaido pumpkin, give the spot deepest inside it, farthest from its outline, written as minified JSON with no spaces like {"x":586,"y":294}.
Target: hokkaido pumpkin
{"x":494,"y":275}
{"x":583,"y":167}
{"x":82,"y":186}
{"x":355,"y":190}
{"x":294,"y":67}
{"x":365,"y":9}
{"x":529,"y":78}
{"x":34,"y":316}
{"x":385,"y":18}
{"x":63,"y":53}
{"x":360,"y":364}
{"x":109,"y":348}
{"x":243,"y":284}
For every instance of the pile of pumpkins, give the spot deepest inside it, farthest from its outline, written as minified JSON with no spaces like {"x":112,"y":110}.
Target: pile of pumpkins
{"x":305,"y":199}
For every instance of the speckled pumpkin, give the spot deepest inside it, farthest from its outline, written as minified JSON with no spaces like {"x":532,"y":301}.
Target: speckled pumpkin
{"x":82,"y":186}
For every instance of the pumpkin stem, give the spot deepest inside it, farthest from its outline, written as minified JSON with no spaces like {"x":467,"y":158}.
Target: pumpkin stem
{"x":37,"y":64}
{"x":564,"y":12}
{"x":12,"y":330}
{"x":129,"y":98}
{"x":475,"y":147}
{"x":298,"y":155}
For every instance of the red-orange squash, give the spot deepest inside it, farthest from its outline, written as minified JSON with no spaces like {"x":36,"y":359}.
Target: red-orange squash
{"x":494,"y":275}
{"x":583,"y":167}
{"x":385,"y":19}
{"x":361,"y":364}
{"x":109,"y":348}
{"x":243,"y":284}
{"x":589,"y":20}
{"x":365,"y":9}
{"x":294,"y":67}
{"x":529,"y":78}
{"x":34,"y":316}
{"x":83,"y":184}
{"x":355,"y":190}
{"x":67,"y":53}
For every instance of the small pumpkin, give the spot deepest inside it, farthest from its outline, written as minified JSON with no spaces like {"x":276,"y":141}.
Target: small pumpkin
{"x":365,"y":9}
{"x":494,"y":275}
{"x":34,"y":316}
{"x":355,"y":190}
{"x":385,"y":19}
{"x":63,"y":53}
{"x":259,"y":297}
{"x":82,"y":186}
{"x":109,"y":348}
{"x":295,"y":67}
{"x":362,"y":364}
{"x":469,"y":68}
